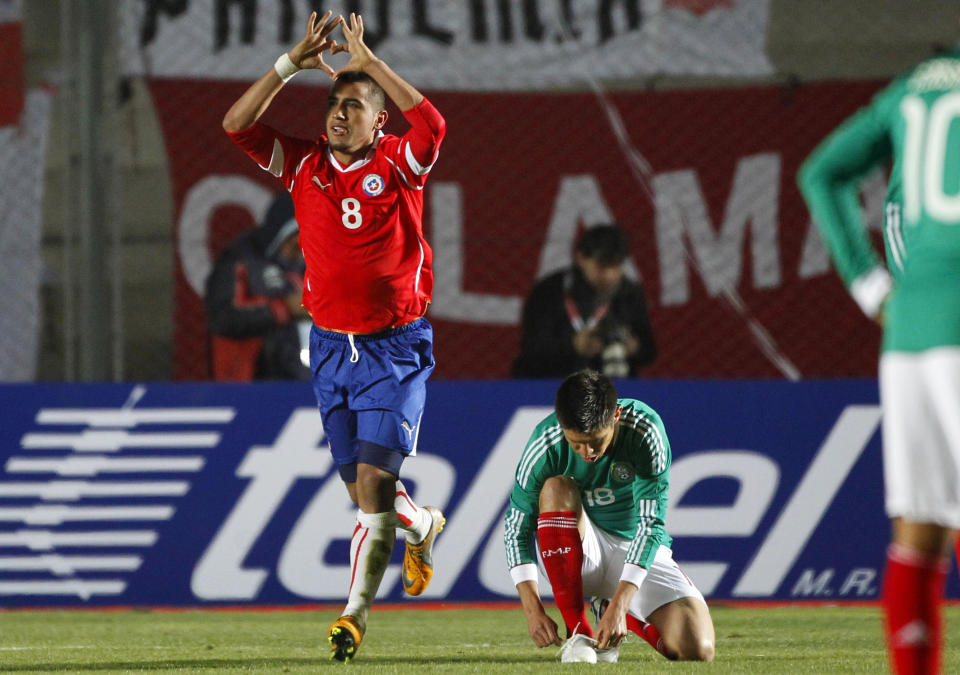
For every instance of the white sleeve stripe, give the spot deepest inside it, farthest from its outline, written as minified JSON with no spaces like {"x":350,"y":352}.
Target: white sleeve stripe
{"x":651,"y":430}
{"x":276,"y":159}
{"x":293,"y":178}
{"x":894,"y":234}
{"x":416,"y":166}
{"x":514,"y":529}
{"x":524,"y":475}
{"x":639,"y":542}
{"x":529,"y":454}
{"x":416,"y":281}
{"x":532,"y":454}
{"x":403,"y":176}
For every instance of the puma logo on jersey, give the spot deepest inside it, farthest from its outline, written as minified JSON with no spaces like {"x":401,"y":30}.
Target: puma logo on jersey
{"x":323,"y":186}
{"x":548,"y":552}
{"x":408,"y":428}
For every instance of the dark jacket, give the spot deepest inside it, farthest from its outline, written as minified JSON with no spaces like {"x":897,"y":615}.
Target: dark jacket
{"x":546,"y":348}
{"x":246,"y":301}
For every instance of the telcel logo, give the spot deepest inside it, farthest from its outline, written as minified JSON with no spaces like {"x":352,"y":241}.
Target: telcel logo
{"x":299,"y":452}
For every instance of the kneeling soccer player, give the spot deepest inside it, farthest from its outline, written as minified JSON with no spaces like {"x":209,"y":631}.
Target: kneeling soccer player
{"x":593,"y":479}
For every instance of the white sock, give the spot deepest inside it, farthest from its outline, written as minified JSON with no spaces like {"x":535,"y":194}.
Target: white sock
{"x":370,"y":551}
{"x":414,"y":521}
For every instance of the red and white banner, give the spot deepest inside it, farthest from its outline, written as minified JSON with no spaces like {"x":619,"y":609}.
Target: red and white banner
{"x":478,"y":45}
{"x":520,"y":174}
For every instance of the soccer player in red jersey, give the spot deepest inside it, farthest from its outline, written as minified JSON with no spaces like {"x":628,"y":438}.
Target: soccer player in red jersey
{"x":358,"y":199}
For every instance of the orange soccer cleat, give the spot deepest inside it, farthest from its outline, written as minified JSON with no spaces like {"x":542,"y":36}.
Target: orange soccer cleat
{"x":418,"y":558}
{"x":344,"y":637}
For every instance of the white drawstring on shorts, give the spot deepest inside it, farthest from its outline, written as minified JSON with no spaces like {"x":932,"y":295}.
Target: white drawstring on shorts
{"x":354,"y":354}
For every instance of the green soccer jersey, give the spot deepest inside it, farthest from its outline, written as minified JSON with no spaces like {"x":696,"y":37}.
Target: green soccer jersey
{"x":624,"y":492}
{"x":915,"y":122}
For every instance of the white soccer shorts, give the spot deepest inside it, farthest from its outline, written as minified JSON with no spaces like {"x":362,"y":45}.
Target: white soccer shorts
{"x":603,"y":556}
{"x":920,"y":398}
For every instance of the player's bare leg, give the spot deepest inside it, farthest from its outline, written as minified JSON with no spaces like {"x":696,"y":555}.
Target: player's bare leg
{"x":686,"y":630}
{"x":927,"y":539}
{"x":560,"y":493}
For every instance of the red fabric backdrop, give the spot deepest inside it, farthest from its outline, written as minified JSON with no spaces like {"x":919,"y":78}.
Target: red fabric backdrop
{"x":508,"y":152}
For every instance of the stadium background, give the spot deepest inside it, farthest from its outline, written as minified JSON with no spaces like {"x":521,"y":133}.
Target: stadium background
{"x":118,"y":188}
{"x":121,"y":124}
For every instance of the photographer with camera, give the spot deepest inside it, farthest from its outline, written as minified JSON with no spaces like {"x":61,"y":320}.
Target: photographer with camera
{"x":588,"y":315}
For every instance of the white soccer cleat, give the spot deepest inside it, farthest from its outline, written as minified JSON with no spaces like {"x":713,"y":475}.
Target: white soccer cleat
{"x":578,"y":649}
{"x":608,"y":655}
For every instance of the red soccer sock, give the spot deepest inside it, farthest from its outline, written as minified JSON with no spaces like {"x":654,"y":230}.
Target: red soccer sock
{"x":562,"y":553}
{"x":912,"y":597}
{"x":647,"y":631}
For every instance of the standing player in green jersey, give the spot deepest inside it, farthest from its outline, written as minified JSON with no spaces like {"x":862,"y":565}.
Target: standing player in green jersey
{"x":592,"y":482}
{"x":915,"y":122}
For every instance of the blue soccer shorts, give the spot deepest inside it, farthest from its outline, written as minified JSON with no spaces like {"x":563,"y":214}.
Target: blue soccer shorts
{"x":371,"y":391}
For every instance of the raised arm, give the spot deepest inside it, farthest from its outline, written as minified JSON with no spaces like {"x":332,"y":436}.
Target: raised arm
{"x":308,"y":53}
{"x":401,"y":92}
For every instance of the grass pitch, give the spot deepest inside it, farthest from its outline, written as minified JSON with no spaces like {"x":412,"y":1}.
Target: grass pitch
{"x":797,"y":639}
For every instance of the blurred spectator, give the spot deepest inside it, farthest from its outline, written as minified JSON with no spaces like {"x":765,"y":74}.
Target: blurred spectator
{"x":587,"y":316}
{"x":253,"y":301}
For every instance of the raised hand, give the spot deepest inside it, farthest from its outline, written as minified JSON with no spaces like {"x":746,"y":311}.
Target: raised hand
{"x":360,"y":54}
{"x":308,"y":53}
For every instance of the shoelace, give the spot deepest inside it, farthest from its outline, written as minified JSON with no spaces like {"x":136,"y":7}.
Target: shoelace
{"x":570,"y":641}
{"x":568,"y":645}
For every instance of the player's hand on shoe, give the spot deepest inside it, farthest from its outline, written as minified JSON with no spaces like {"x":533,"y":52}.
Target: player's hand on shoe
{"x":612,"y":627}
{"x":543,"y":629}
{"x":308,"y":53}
{"x":360,"y":54}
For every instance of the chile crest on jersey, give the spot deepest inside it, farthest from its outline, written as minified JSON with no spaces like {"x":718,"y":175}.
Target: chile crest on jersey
{"x":372,"y":184}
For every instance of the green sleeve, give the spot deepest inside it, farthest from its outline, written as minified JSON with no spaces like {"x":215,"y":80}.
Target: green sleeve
{"x":650,"y":498}
{"x":829,"y":180}
{"x":651,"y":485}
{"x":518,"y":528}
{"x":521,"y":519}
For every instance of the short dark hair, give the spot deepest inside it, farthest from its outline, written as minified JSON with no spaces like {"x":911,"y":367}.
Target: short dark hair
{"x":604,"y":243}
{"x":586,"y":402}
{"x":377,"y":95}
